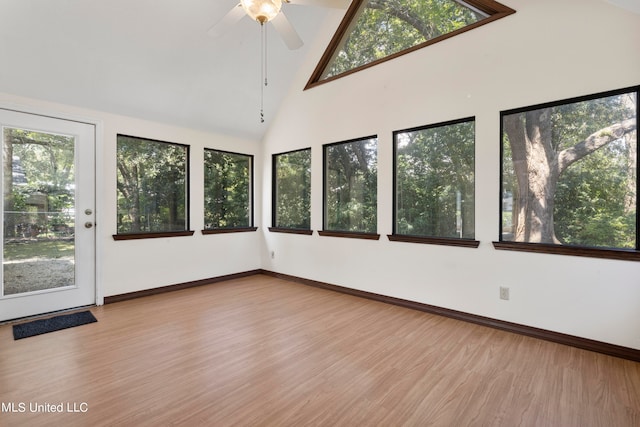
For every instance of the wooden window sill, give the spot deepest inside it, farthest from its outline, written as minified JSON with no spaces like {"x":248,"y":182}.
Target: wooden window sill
{"x":446,"y":241}
{"x":291,"y":230}
{"x":152,"y":235}
{"x":607,"y":253}
{"x":349,"y":234}
{"x":228,"y":230}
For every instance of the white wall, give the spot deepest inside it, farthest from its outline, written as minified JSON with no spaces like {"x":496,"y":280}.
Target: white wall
{"x":549,"y":50}
{"x":133,"y":265}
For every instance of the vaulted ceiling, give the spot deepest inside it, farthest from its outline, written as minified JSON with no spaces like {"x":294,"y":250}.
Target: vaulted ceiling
{"x":150,"y":59}
{"x":153,"y":59}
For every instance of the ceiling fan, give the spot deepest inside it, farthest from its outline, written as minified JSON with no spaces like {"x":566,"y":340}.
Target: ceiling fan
{"x":264,"y":11}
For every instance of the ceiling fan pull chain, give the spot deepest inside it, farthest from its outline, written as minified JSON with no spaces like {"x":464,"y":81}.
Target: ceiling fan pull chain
{"x":263,"y":67}
{"x":266,"y":55}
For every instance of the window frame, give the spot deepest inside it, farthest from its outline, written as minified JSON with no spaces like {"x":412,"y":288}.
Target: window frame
{"x":225,"y":230}
{"x":274,"y":203}
{"x":187,"y":176}
{"x":623,"y":254}
{"x":417,"y":238}
{"x":345,"y":233}
{"x":494,"y":9}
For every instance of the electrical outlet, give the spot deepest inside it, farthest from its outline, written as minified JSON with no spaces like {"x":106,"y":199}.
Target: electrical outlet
{"x":504,"y":293}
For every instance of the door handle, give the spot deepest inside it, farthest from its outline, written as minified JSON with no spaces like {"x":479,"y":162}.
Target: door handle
{"x":88,"y":224}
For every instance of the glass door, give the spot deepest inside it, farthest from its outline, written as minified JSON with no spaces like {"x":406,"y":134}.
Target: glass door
{"x":48,"y":236}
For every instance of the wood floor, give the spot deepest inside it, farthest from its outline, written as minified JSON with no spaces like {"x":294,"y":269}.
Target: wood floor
{"x":260,"y":351}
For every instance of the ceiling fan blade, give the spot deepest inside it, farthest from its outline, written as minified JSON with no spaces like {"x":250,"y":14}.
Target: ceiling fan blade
{"x":286,"y":31}
{"x":335,"y":4}
{"x":229,"y":20}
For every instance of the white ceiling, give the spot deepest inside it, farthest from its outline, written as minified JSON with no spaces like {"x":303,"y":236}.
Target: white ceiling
{"x":630,"y":5}
{"x":150,"y":59}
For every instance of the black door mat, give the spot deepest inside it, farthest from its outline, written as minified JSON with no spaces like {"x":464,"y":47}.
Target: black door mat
{"x":43,"y":326}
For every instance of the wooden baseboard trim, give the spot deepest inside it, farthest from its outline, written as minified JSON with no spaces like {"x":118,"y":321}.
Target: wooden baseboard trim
{"x":557,"y":337}
{"x":154,"y":291}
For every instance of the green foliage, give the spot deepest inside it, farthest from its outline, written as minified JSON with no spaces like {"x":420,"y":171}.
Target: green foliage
{"x":227,"y":194}
{"x":435,"y":181}
{"x":594,"y":199}
{"x":151,"y":185}
{"x":292,"y":187}
{"x":386,"y":27}
{"x":591,"y":194}
{"x":39,"y":183}
{"x":575,"y":121}
{"x":590,"y":200}
{"x":351,"y":186}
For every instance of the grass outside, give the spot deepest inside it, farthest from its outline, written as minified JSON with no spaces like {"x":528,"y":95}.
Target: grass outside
{"x":46,"y":248}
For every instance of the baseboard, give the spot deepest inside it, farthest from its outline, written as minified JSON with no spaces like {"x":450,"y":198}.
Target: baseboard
{"x":556,"y":337}
{"x":162,"y":289}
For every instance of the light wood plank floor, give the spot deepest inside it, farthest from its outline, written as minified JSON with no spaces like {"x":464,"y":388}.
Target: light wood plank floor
{"x":260,"y":351}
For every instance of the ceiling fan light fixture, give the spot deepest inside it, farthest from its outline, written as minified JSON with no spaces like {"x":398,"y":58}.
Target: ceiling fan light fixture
{"x":261,"y":10}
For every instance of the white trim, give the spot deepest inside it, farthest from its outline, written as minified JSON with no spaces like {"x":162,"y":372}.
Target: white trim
{"x":40,"y":292}
{"x":98,"y":170}
{"x":99,"y":218}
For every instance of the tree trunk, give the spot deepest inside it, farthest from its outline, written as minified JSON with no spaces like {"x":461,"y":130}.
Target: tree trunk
{"x":536,"y":176}
{"x":538,"y":166}
{"x":134,"y":212}
{"x":631,"y":139}
{"x":632,"y":161}
{"x":8,"y":202}
{"x":467,"y":211}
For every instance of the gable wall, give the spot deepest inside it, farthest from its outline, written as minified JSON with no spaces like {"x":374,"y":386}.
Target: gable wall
{"x":549,"y":50}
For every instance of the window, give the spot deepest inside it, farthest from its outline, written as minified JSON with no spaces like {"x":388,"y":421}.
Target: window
{"x":374,"y":31}
{"x":569,"y":174}
{"x":152,"y":187}
{"x":434,"y":182}
{"x":228,"y":179}
{"x":292,"y":191}
{"x":350,"y":187}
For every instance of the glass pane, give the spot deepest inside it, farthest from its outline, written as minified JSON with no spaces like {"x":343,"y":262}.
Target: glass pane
{"x":435,"y":181}
{"x":152,"y":186}
{"x":227,"y":190}
{"x":292,"y":178}
{"x":351,"y":186}
{"x":569,"y":173}
{"x":383,"y":28}
{"x":39,"y":211}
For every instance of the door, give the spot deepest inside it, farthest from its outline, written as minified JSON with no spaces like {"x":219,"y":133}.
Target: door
{"x":47,"y":233}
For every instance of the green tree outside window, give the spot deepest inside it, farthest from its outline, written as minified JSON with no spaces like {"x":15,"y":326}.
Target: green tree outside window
{"x":434,"y":180}
{"x":292,"y":190}
{"x":227,"y":190}
{"x":569,"y":172}
{"x":350,"y":197}
{"x":374,"y":31}
{"x":152,"y":185}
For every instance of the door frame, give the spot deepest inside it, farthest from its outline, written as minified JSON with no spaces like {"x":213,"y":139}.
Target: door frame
{"x":99,"y":177}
